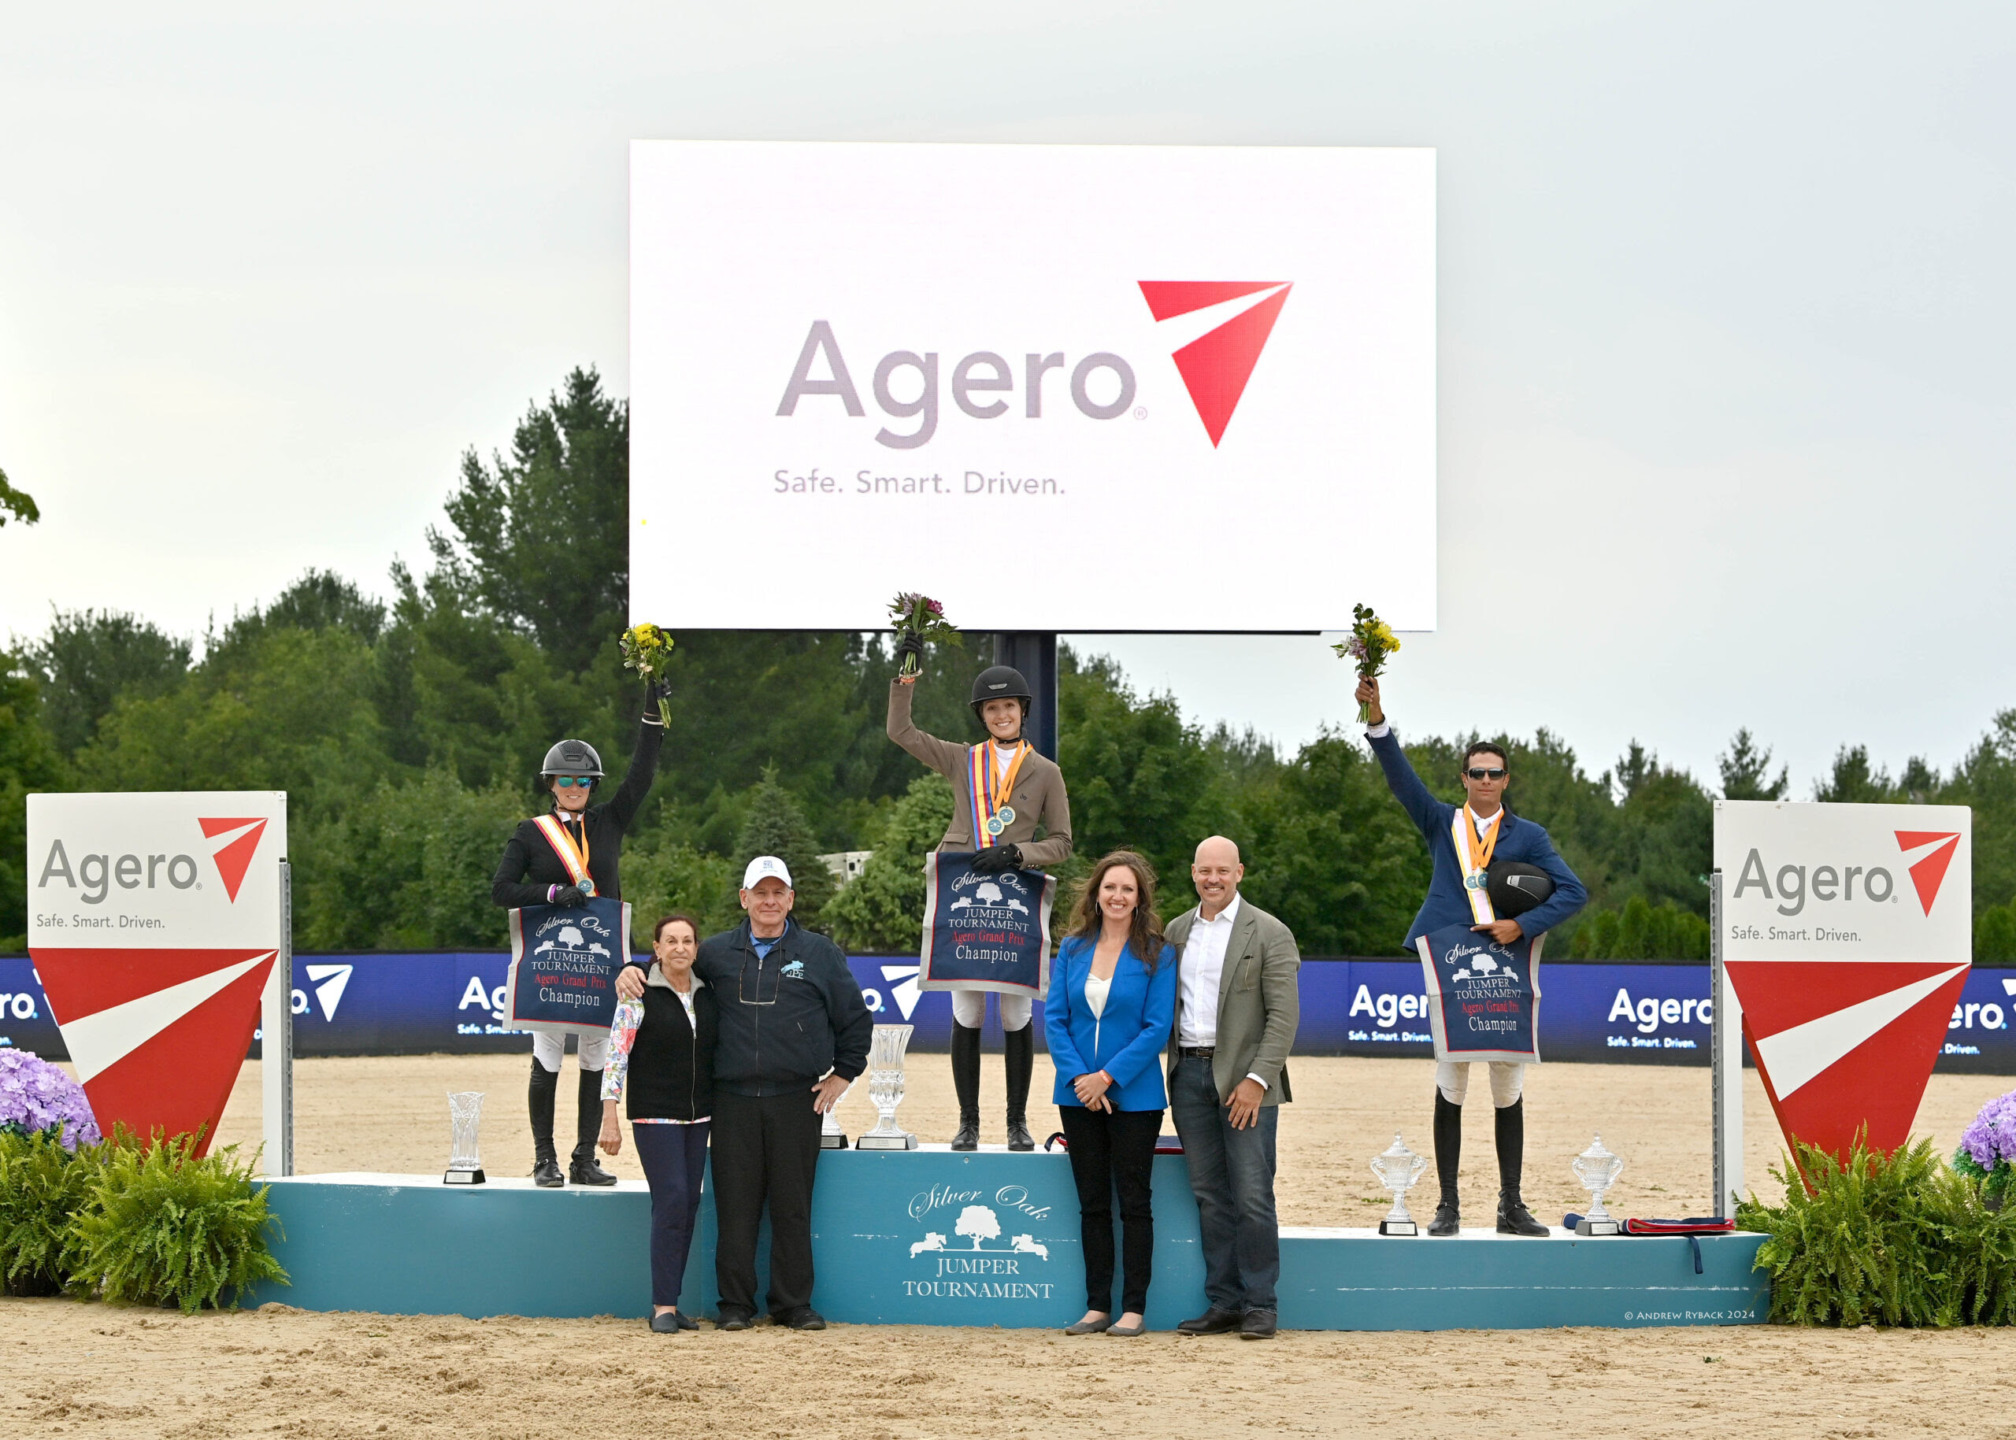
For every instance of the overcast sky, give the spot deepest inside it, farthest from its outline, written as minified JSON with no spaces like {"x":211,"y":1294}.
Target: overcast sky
{"x":1725,"y":304}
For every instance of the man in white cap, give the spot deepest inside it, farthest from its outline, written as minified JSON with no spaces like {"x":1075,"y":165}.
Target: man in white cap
{"x":793,"y":1033}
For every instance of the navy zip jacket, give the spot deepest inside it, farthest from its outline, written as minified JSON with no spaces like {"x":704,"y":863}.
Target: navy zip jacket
{"x":1518,"y":839}
{"x":785,"y":1018}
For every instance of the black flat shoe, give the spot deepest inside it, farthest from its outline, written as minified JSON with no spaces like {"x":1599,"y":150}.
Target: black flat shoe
{"x":1257,"y":1325}
{"x":666,"y":1324}
{"x":687,"y":1322}
{"x":1212,"y":1322}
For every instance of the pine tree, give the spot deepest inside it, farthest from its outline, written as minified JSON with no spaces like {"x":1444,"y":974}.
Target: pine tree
{"x":777,"y":826}
{"x":1746,"y":771}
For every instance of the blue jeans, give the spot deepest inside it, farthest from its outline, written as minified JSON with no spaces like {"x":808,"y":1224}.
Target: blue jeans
{"x":1232,"y":1175}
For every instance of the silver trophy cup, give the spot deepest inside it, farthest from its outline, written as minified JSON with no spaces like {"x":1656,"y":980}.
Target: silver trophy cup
{"x":465,"y":1118}
{"x":885,"y":1089}
{"x":831,"y":1136}
{"x":1397,"y":1170}
{"x":1597,"y":1169}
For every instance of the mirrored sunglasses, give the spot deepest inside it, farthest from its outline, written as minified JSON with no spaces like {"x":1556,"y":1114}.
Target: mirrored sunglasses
{"x":567,"y":782}
{"x":1480,"y":772}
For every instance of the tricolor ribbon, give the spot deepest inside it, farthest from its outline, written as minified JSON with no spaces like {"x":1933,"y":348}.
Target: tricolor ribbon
{"x":1473,"y":854}
{"x":574,"y":860}
{"x":990,"y":787}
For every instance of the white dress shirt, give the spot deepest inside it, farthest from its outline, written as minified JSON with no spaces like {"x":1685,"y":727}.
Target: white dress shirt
{"x":1197,"y":983}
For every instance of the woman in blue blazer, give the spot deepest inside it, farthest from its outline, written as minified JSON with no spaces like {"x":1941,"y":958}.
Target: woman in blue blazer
{"x":1108,"y":1016}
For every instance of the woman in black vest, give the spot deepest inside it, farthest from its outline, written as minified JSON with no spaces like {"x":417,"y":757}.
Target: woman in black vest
{"x":661,"y":1056}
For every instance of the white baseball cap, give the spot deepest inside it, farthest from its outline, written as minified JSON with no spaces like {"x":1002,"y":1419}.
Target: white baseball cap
{"x":763,"y":866}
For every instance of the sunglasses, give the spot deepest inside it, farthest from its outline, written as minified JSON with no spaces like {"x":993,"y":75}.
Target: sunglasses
{"x":1479,"y":772}
{"x":586,"y":782}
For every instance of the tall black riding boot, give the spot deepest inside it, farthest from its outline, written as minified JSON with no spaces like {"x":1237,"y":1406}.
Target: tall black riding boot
{"x":966,"y":1083}
{"x":539,"y":1100}
{"x":1448,"y":1153}
{"x":583,"y":1170}
{"x":1018,"y":1056}
{"x":1513,"y":1216}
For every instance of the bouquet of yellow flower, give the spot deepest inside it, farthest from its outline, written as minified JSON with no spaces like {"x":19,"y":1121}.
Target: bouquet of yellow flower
{"x":1372,"y":640}
{"x":923,"y":617}
{"x":648,"y":650}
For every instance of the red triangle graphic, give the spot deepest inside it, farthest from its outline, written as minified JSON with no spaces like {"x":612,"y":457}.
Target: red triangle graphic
{"x":1169,"y":298}
{"x":83,"y":982}
{"x":1877,"y":1085}
{"x":234,"y":859}
{"x":1217,"y":364}
{"x":1778,"y":994}
{"x":179,"y":1079}
{"x":1929,"y":872}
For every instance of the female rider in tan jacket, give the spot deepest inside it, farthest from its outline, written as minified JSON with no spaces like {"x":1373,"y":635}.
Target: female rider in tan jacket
{"x":1035,"y":799}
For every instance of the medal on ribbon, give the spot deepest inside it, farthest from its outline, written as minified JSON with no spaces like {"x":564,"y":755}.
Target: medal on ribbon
{"x":990,"y":785}
{"x":1473,"y":853}
{"x":572,"y":858}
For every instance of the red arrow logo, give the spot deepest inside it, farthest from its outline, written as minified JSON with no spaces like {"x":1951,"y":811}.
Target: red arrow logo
{"x":1927,"y":874}
{"x":234,"y":856}
{"x":1217,"y":364}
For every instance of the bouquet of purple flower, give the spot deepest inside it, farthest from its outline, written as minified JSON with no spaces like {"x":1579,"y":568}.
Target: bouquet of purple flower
{"x":1988,"y":1146}
{"x":35,"y":1095}
{"x":923,"y":617}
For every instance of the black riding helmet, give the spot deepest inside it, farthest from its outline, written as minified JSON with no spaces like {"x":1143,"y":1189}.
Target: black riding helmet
{"x":1516,"y":887}
{"x":569,"y":757}
{"x":1001,"y":682}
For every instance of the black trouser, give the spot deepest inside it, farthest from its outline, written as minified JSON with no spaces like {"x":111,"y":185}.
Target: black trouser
{"x":1109,"y":1151}
{"x":674,"y":1158}
{"x":765,"y":1151}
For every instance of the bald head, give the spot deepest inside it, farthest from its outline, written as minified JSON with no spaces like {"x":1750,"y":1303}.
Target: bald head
{"x":1216,"y":872}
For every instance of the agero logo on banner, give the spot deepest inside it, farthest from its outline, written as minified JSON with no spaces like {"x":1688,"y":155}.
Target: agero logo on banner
{"x":1214,"y":368}
{"x":1791,"y":886}
{"x":95,"y":876}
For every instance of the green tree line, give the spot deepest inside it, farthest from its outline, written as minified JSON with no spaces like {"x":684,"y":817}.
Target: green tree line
{"x":407,"y":731}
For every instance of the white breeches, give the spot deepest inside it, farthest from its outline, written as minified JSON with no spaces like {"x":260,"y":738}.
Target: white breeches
{"x":969,"y":1008}
{"x":547,"y":1049}
{"x":1508,"y":1079}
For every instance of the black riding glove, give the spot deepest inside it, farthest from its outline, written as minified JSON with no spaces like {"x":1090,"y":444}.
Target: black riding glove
{"x":570,"y":896}
{"x":656,"y":692}
{"x":910,"y":644}
{"x":1000,"y":857}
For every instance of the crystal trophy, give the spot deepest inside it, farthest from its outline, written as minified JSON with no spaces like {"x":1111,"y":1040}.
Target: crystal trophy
{"x":831,"y":1137}
{"x":1397,"y":1170}
{"x":1597,"y":1169}
{"x":885,"y":1089}
{"x":465,"y":1116}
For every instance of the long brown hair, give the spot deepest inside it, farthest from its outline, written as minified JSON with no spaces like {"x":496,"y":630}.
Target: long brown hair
{"x":1145,"y":934}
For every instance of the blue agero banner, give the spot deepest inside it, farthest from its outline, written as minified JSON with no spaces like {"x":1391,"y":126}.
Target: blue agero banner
{"x":1605,"y":1012}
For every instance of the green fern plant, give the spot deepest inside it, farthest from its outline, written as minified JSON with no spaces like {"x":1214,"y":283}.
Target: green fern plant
{"x":1895,"y":1239}
{"x":167,"y":1226}
{"x":42,"y":1188}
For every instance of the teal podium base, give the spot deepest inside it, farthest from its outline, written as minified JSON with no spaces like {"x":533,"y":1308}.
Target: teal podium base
{"x":933,"y":1237}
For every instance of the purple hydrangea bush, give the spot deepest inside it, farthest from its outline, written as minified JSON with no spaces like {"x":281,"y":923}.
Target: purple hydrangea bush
{"x":35,"y":1095}
{"x":1988,"y":1145}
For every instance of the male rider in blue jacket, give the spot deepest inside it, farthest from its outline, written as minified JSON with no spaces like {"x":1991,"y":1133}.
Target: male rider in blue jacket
{"x":1485,"y":776}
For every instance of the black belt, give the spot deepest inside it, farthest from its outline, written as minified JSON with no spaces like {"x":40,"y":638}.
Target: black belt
{"x":1196,"y":1052}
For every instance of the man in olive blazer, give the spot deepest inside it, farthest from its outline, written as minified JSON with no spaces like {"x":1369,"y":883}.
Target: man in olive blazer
{"x":1237,"y":1007}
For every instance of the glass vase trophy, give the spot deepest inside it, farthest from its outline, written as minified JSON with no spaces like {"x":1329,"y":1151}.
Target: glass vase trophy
{"x":885,"y":1089}
{"x":1597,"y":1169}
{"x":1397,"y":1170}
{"x":465,"y":1117}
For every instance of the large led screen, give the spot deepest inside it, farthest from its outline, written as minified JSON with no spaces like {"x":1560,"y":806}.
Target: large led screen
{"x":1060,"y":388}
